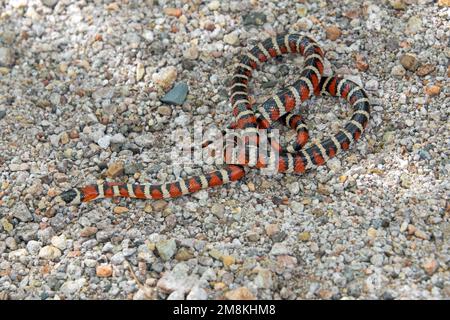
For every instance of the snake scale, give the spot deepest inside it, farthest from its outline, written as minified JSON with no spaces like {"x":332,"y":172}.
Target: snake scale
{"x":249,"y":119}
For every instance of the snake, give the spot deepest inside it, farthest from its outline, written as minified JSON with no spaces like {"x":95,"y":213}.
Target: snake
{"x":296,"y":158}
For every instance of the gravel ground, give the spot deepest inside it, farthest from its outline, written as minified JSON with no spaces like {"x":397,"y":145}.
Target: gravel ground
{"x":80,"y":90}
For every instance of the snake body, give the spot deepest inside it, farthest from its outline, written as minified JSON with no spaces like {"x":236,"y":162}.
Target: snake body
{"x":294,"y":158}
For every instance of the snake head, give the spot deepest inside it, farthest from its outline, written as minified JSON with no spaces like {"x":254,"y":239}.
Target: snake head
{"x":71,"y":196}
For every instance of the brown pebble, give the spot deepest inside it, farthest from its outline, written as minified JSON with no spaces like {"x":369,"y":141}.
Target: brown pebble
{"x":361,"y":63}
{"x":323,"y":189}
{"x":4,"y":71}
{"x":425,"y":69}
{"x":444,"y":3}
{"x":421,"y":235}
{"x":352,"y":14}
{"x":287,"y":261}
{"x":164,"y":110}
{"x":411,"y":229}
{"x":432,"y":90}
{"x":52,"y":192}
{"x":333,"y":33}
{"x":210,"y":26}
{"x":371,"y":232}
{"x":228,"y":260}
{"x":64,"y":138}
{"x":174,"y":12}
{"x":88,"y":231}
{"x":74,"y":134}
{"x":115,"y":170}
{"x":409,"y":62}
{"x":325,"y":294}
{"x":241,"y":293}
{"x":272,"y":229}
{"x":104,"y":120}
{"x":24,"y":35}
{"x":304,"y":236}
{"x":148,"y":208}
{"x":430,"y":266}
{"x":219,"y":286}
{"x":171,"y":221}
{"x":159,"y":205}
{"x":398,"y":4}
{"x":112,"y":6}
{"x":183,"y":254}
{"x":120,"y":210}
{"x":216,"y":54}
{"x":104,"y":271}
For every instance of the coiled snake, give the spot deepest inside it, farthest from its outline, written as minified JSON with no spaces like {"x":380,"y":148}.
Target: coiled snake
{"x":294,"y":158}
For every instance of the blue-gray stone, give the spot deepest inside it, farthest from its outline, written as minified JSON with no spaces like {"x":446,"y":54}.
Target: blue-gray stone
{"x":49,"y":3}
{"x":177,"y":95}
{"x":255,"y":18}
{"x":424,"y":154}
{"x":2,"y":114}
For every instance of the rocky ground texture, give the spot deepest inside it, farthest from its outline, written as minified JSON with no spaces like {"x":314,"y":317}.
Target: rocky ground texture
{"x":81,"y":84}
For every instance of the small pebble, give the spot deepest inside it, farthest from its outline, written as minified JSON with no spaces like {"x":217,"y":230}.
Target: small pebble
{"x":231,"y":39}
{"x":184,"y":254}
{"x":49,"y":3}
{"x":372,"y":85}
{"x":398,"y":71}
{"x":414,"y":25}
{"x":241,"y":293}
{"x":34,"y":247}
{"x":377,"y":260}
{"x":272,"y":229}
{"x":159,"y":205}
{"x":166,"y":249}
{"x":333,"y":32}
{"x":197,"y":293}
{"x":214,"y":5}
{"x":49,"y":253}
{"x":409,"y":62}
{"x":432,"y":90}
{"x":88,"y":231}
{"x":6,"y":57}
{"x":255,"y":18}
{"x":140,"y":71}
{"x":372,"y":233}
{"x":164,"y":111}
{"x":59,"y":242}
{"x":165,"y":77}
{"x":425,"y":69}
{"x":116,"y":169}
{"x":174,"y":12}
{"x":421,"y":235}
{"x":430,"y":266}
{"x":304,"y":236}
{"x":120,"y":210}
{"x":177,"y":95}
{"x":104,"y":141}
{"x":191,"y":53}
{"x":104,"y":271}
{"x":361,"y":63}
{"x":228,"y":260}
{"x":398,"y":4}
